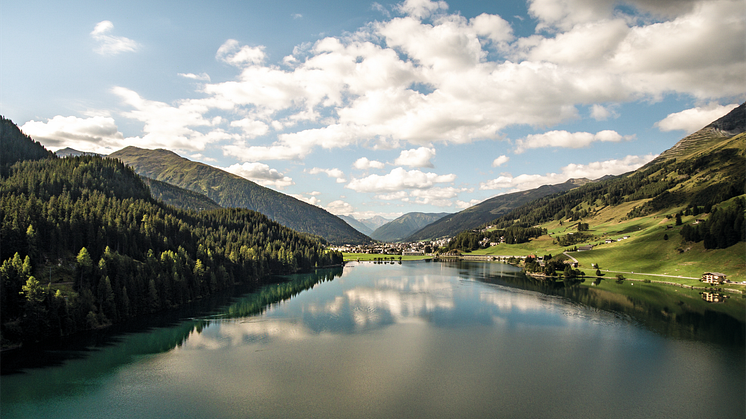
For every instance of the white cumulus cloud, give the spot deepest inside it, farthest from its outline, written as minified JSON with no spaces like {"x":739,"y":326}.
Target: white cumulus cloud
{"x":231,"y":52}
{"x":332,"y":173}
{"x":109,"y":44}
{"x":694,"y":119}
{"x":464,"y":204}
{"x":500,"y":161}
{"x":199,"y":77}
{"x":340,"y":207}
{"x":97,"y":134}
{"x":567,"y":139}
{"x":428,"y":77}
{"x":397,"y":180}
{"x":261,"y":174}
{"x":591,"y":171}
{"x":420,"y":157}
{"x":421,"y":8}
{"x":173,"y":127}
{"x":364,"y":164}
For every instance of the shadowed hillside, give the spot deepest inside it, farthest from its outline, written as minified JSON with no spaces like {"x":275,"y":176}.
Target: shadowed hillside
{"x":231,"y":191}
{"x":488,"y":210}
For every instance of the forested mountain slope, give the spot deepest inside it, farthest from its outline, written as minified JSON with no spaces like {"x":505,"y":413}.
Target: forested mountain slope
{"x":179,"y":197}
{"x":488,"y":210}
{"x":84,"y":244}
{"x":405,"y":225}
{"x":231,"y":191}
{"x":17,"y":146}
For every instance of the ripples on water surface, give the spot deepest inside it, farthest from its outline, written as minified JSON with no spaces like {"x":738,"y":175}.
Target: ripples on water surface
{"x":420,"y":339}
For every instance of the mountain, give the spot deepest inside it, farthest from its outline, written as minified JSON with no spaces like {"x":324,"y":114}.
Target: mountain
{"x":231,"y":191}
{"x":357,"y":225}
{"x":701,"y":178}
{"x":179,"y":197}
{"x":374,"y":222}
{"x":405,"y":225}
{"x":488,"y":210}
{"x":71,"y":152}
{"x":724,"y":128}
{"x":108,"y":252}
{"x":17,"y":146}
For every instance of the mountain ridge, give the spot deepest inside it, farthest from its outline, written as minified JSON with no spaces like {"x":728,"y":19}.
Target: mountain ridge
{"x":356,"y":224}
{"x":405,"y":225}
{"x":487,"y":210}
{"x":727,"y":126}
{"x":701,"y":179}
{"x":232,"y":191}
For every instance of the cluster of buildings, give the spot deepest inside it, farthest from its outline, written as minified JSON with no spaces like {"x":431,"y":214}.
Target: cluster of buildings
{"x":394,"y":249}
{"x":617,"y":240}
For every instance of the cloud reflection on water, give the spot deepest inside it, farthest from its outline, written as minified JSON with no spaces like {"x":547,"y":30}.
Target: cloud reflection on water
{"x":371,"y":298}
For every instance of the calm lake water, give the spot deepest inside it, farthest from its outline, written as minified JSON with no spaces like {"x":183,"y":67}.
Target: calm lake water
{"x":419,"y":339}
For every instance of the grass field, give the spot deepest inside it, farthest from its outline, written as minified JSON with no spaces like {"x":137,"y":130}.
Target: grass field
{"x":654,"y":246}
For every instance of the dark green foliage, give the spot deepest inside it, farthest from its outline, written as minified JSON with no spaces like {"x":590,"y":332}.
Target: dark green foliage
{"x":571,"y":239}
{"x":470,"y":240}
{"x":551,"y":267}
{"x":131,"y":254}
{"x":178,"y":197}
{"x":231,"y":191}
{"x":723,"y":229}
{"x":16,"y":146}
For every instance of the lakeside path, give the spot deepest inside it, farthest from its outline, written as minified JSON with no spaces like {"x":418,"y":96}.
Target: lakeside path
{"x":573,"y":259}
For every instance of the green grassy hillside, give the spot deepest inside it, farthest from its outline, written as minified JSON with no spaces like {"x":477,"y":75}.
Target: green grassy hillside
{"x":231,"y":191}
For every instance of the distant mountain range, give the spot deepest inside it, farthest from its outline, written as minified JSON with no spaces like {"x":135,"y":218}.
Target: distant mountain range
{"x":405,"y":225}
{"x":231,"y":191}
{"x":481,"y":213}
{"x":357,"y":225}
{"x":71,"y":152}
{"x":374,"y":222}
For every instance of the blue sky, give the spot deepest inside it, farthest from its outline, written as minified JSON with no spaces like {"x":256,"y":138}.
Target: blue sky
{"x":377,"y":108}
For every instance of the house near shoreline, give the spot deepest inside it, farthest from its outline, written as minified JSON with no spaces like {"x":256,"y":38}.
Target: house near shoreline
{"x":713,"y":297}
{"x":713,"y":278}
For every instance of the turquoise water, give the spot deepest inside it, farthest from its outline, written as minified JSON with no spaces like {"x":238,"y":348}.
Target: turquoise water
{"x":420,"y":339}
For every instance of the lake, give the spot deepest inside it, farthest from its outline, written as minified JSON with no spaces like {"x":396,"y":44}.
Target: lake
{"x":417,"y":339}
